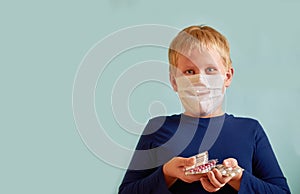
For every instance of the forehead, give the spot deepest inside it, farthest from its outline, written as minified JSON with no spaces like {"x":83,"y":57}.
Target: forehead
{"x":200,"y":59}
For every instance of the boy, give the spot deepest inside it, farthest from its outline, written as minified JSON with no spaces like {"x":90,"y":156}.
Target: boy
{"x":200,"y":72}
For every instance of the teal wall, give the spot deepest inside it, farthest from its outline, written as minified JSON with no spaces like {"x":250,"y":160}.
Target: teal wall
{"x":44,"y":42}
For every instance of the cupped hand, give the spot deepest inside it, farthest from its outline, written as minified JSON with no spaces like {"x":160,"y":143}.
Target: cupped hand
{"x":214,"y":180}
{"x":175,"y":169}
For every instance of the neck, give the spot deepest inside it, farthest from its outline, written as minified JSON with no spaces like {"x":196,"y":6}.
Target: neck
{"x":217,"y":113}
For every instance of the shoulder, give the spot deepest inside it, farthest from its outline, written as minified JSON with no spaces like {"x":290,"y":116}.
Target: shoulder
{"x":160,"y":120}
{"x":243,"y":123}
{"x":160,"y":123}
{"x":240,"y":119}
{"x":173,"y":117}
{"x":160,"y":129}
{"x":245,"y":128}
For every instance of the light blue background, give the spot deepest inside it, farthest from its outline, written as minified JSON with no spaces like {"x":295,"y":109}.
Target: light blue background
{"x":43,"y":42}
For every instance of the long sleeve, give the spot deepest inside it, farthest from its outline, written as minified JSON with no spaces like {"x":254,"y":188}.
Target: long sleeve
{"x":267,"y":176}
{"x":143,"y":175}
{"x":144,"y":181}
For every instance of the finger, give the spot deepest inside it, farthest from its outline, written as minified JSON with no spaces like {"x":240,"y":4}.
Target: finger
{"x":186,"y":161}
{"x":192,"y":178}
{"x":196,"y":177}
{"x":190,"y":161}
{"x":230,"y":162}
{"x":214,"y":181}
{"x":222,"y":179}
{"x":219,"y":176}
{"x":207,"y":185}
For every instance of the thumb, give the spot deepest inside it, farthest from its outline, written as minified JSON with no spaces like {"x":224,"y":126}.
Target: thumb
{"x":230,"y":162}
{"x":186,"y":161}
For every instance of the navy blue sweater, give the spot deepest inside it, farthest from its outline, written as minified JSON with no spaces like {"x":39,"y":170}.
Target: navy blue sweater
{"x":224,"y":137}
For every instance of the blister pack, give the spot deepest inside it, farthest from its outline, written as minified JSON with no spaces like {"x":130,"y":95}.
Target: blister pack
{"x":204,"y":165}
{"x":228,"y":171}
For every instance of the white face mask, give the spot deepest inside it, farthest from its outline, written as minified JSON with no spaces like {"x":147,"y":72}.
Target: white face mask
{"x":201,"y":95}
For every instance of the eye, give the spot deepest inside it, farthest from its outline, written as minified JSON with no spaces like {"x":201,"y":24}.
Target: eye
{"x":211,"y":70}
{"x":189,"y":72}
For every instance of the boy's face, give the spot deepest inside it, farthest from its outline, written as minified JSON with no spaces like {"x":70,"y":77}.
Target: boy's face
{"x":206,"y":62}
{"x":200,"y":80}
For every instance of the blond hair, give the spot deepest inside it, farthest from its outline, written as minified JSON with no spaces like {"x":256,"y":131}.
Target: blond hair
{"x":201,"y":38}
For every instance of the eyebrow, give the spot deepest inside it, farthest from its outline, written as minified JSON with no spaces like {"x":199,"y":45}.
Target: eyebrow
{"x":202,"y":66}
{"x":191,"y":66}
{"x":212,"y":65}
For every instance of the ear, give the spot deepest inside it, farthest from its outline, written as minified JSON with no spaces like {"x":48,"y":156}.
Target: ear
{"x":173,"y":81}
{"x":229,"y":75}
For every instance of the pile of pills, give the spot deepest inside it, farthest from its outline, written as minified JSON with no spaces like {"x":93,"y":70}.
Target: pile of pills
{"x":228,"y":171}
{"x":204,"y":168}
{"x":203,"y":165}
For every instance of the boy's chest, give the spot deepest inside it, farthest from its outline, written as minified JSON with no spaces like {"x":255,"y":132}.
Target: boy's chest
{"x":222,"y":146}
